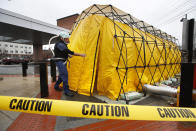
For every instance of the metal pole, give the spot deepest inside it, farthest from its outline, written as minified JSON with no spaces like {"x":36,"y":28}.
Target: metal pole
{"x":24,"y":68}
{"x":43,"y":79}
{"x":53,"y":70}
{"x":186,"y":84}
{"x":187,"y":69}
{"x":190,"y":39}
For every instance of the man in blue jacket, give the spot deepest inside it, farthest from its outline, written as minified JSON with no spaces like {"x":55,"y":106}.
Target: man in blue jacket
{"x":61,"y":51}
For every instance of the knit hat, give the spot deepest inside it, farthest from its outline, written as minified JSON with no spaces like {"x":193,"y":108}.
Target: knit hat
{"x":64,"y":34}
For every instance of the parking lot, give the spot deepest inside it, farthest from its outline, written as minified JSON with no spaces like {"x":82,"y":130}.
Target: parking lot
{"x":16,"y":69}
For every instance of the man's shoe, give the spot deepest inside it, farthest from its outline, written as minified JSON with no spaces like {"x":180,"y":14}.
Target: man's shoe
{"x":69,"y":94}
{"x":72,"y":91}
{"x":58,"y":89}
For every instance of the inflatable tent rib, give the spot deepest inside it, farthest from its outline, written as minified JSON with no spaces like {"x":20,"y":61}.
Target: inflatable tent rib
{"x":122,"y":53}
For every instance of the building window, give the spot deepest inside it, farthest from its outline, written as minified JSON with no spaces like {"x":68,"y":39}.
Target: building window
{"x":29,"y":47}
{"x":12,"y":51}
{"x":21,"y":47}
{"x":6,"y":51}
{"x":5,"y":45}
{"x":16,"y":46}
{"x":0,"y":44}
{"x":11,"y":45}
{"x":16,"y":51}
{"x":21,"y":52}
{"x":25,"y":47}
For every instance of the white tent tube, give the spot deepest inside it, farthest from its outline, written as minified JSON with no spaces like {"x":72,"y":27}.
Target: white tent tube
{"x":50,"y":42}
{"x":161,"y":90}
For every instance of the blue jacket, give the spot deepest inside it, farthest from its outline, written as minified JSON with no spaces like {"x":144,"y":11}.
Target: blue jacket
{"x":61,"y":50}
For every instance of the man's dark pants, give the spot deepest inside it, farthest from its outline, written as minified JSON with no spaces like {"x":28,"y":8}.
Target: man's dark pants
{"x":63,"y":76}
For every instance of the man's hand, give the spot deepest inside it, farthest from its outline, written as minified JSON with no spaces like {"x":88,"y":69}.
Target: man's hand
{"x":83,"y":55}
{"x":69,"y":55}
{"x":78,"y":54}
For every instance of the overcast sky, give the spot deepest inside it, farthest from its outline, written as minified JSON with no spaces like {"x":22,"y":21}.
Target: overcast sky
{"x":163,"y":14}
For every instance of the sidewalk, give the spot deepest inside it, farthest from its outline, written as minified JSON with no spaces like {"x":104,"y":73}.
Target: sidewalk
{"x":34,"y":122}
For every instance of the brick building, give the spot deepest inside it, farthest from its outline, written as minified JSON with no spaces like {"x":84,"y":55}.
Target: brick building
{"x":67,"y":22}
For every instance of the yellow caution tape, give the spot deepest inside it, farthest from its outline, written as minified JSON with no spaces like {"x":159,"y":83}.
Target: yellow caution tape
{"x":96,"y":110}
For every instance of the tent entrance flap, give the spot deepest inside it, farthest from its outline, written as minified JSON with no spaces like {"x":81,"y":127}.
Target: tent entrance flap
{"x":94,"y":74}
{"x":85,"y":39}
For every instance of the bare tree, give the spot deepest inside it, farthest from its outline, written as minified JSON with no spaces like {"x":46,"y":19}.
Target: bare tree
{"x":3,"y":53}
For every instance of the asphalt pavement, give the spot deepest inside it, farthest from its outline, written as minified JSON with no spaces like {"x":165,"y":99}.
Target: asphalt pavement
{"x":17,"y":69}
{"x":16,"y":86}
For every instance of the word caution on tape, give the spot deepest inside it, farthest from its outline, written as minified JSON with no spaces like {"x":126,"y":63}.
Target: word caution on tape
{"x":96,"y":110}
